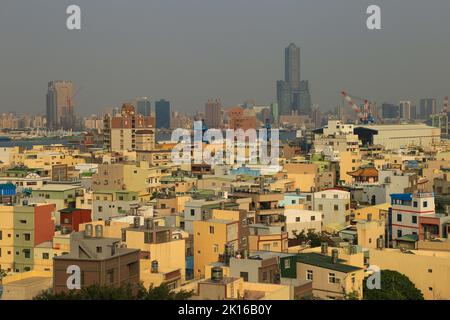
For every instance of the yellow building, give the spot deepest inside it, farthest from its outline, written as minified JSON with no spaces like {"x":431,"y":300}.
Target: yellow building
{"x":369,"y":231}
{"x":428,"y":270}
{"x":377,"y":212}
{"x":44,"y":253}
{"x":349,"y":161}
{"x":6,"y":238}
{"x":211,"y":236}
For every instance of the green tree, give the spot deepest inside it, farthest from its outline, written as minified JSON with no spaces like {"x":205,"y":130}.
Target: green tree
{"x":126,"y":292}
{"x":162,"y":292}
{"x":394,"y":286}
{"x":315,"y":239}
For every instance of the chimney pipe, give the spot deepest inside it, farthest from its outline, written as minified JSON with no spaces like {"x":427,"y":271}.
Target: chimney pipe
{"x":334,"y":256}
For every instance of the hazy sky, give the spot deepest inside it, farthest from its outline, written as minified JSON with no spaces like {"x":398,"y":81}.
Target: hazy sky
{"x":190,"y":50}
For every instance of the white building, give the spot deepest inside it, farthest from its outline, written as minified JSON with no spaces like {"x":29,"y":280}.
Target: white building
{"x":406,"y":209}
{"x":334,"y":205}
{"x":302,"y":220}
{"x":397,"y":136}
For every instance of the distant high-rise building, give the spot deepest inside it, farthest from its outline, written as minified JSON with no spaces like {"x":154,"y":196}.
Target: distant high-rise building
{"x":427,"y":108}
{"x":119,"y":131}
{"x":293,"y":94}
{"x":163,"y":114}
{"x":213,"y":114}
{"x":304,"y":105}
{"x":292,"y":66}
{"x":405,"y":110}
{"x":60,"y":105}
{"x":390,"y":111}
{"x":144,"y":106}
{"x":284,"y":97}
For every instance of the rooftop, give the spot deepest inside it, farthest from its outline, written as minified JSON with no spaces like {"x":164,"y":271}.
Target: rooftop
{"x":324,"y":261}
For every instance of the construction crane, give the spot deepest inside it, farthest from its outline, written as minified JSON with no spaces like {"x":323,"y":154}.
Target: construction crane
{"x":363,"y":113}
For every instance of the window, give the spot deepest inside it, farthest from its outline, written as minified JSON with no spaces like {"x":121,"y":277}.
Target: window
{"x":23,"y":221}
{"x":399,"y":217}
{"x":132,"y":268}
{"x":27,"y":236}
{"x":320,"y":207}
{"x":99,"y":249}
{"x":287,"y":263}
{"x":264,"y":276}
{"x":244,"y":275}
{"x":313,"y":218}
{"x":309,"y":275}
{"x":414,"y":219}
{"x":425,"y":204}
{"x":292,"y":201}
{"x":332,"y":278}
{"x":275,"y":244}
{"x":110,"y":275}
{"x":45,"y":256}
{"x":297,"y":219}
{"x":415,"y":204}
{"x":323,"y":196}
{"x":211,"y":230}
{"x":1,"y":235}
{"x":26,"y":253}
{"x":308,"y":197}
{"x":399,"y":233}
{"x":336,"y":207}
{"x":266,"y":247}
{"x":192,"y":212}
{"x":430,"y":270}
{"x":100,"y":209}
{"x":335,"y":196}
{"x":216,"y":248}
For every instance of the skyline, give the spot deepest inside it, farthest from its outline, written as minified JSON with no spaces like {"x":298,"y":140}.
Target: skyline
{"x":229,"y":51}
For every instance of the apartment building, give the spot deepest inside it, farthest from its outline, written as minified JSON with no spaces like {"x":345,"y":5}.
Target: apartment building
{"x":100,"y":260}
{"x":22,"y":228}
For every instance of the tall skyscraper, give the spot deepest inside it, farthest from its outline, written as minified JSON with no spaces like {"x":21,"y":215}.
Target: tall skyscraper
{"x":284,"y":97}
{"x":144,"y":106}
{"x":213,"y":114}
{"x":60,"y":105}
{"x":292,"y":93}
{"x":292,"y":66}
{"x":427,"y":108}
{"x":304,"y":105}
{"x":163,"y":114}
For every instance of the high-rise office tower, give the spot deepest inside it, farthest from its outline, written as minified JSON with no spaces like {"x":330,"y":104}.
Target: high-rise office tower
{"x":304,"y":105}
{"x":163,"y":114}
{"x":60,"y":105}
{"x":144,"y":106}
{"x":427,"y":108}
{"x":292,"y":93}
{"x":405,"y":110}
{"x":292,"y":66}
{"x":284,"y":97}
{"x":213,"y":114}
